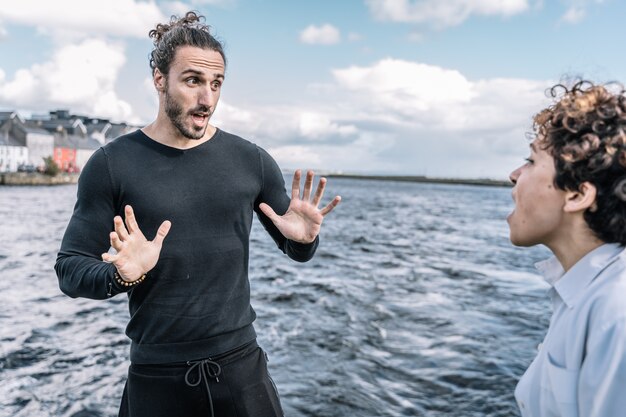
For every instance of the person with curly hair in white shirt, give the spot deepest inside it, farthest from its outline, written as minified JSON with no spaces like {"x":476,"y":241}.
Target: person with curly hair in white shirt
{"x":570,"y":196}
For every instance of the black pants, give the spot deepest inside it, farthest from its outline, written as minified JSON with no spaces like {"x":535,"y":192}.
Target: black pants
{"x":236,"y":384}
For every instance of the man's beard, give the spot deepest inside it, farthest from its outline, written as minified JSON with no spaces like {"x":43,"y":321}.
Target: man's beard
{"x":175,"y":112}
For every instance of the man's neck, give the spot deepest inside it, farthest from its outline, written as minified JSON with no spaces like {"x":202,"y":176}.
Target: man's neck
{"x":164,"y":132}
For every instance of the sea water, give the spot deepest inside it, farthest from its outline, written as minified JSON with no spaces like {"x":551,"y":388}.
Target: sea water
{"x":415,"y":304}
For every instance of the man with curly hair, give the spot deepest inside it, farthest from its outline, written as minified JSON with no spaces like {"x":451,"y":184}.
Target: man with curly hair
{"x":570,"y":196}
{"x":195,"y":188}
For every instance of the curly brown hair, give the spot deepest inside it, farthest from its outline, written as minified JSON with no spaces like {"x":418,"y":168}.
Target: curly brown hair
{"x":585,"y":132}
{"x":188,"y":30}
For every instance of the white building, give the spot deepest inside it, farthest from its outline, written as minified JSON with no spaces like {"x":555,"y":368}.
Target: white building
{"x":13,"y":153}
{"x":40,"y":145}
{"x":39,"y":142}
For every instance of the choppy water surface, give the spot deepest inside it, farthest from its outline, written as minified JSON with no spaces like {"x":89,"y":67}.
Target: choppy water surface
{"x":416,"y":304}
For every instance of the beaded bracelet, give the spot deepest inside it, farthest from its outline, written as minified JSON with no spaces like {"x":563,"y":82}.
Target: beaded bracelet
{"x":120,"y":281}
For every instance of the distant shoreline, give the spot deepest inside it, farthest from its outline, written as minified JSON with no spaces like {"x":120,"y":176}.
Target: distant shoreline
{"x":424,"y":179}
{"x":23,"y":178}
{"x":35,"y":178}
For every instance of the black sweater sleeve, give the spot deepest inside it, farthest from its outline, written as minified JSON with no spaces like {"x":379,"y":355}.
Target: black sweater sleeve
{"x":79,"y":266}
{"x":274,"y":194}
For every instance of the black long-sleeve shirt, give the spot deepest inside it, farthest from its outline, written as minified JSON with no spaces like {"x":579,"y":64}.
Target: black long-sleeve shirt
{"x":195,"y":303}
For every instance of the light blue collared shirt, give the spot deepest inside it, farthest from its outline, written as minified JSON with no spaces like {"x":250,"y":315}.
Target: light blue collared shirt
{"x":580,"y":368}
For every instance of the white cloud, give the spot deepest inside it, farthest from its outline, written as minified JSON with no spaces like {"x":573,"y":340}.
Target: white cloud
{"x":80,"y":77}
{"x":179,"y":8}
{"x":295,"y":156}
{"x":245,"y":122}
{"x":574,"y":15}
{"x":148,"y":84}
{"x":361,"y":155}
{"x":221,"y":3}
{"x":435,"y":114}
{"x":176,"y":8}
{"x":349,"y":159}
{"x":405,"y":86}
{"x":354,"y":37}
{"x":416,"y":37}
{"x":316,"y":125}
{"x":124,"y":18}
{"x":398,"y":116}
{"x":413,"y":94}
{"x":325,"y":35}
{"x":283,"y":124}
{"x":577,"y":10}
{"x":442,"y":13}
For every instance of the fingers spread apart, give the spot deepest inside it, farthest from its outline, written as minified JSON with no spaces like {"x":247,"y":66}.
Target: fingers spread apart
{"x":330,"y":206}
{"x":295,"y":184}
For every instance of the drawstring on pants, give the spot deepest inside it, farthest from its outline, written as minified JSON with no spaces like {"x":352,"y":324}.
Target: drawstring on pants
{"x":206,"y":369}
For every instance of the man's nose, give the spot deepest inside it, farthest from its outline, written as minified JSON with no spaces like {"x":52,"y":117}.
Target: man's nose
{"x":207,"y":97}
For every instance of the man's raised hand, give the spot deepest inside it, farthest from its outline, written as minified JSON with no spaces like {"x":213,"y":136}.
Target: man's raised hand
{"x":303,"y":219}
{"x":135,"y":254}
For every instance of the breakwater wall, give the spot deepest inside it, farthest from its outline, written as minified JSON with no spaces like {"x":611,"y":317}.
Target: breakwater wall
{"x":460,"y":181}
{"x":28,"y":178}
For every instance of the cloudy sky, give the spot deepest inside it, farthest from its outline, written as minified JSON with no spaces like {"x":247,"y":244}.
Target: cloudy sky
{"x":422,"y":87}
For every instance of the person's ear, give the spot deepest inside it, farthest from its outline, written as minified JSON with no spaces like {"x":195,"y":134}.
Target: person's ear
{"x":159,"y":80}
{"x":581,"y":200}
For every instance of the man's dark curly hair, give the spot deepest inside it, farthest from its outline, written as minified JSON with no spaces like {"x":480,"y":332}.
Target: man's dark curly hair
{"x":185,"y":31}
{"x":585,"y":132}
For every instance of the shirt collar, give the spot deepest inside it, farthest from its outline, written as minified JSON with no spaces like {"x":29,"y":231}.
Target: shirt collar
{"x":570,"y":285}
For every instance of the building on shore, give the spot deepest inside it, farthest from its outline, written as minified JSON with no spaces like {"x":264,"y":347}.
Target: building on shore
{"x":38,"y":142}
{"x":12,"y":152}
{"x":68,"y":139}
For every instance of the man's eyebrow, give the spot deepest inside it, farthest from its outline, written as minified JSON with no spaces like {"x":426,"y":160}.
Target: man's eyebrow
{"x":201,"y":73}
{"x":532,"y":147}
{"x":192,"y":71}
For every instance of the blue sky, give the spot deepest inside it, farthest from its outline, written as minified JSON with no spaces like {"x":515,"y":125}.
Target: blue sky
{"x":423,"y":87}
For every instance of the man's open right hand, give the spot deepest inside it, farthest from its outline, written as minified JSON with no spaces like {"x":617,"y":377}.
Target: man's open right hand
{"x":135,"y":254}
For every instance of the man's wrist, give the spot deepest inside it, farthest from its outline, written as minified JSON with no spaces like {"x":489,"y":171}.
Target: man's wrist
{"x":124,"y":283}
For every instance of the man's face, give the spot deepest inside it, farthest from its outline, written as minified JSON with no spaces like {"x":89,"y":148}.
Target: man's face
{"x":538,"y":216}
{"x":192,"y":89}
